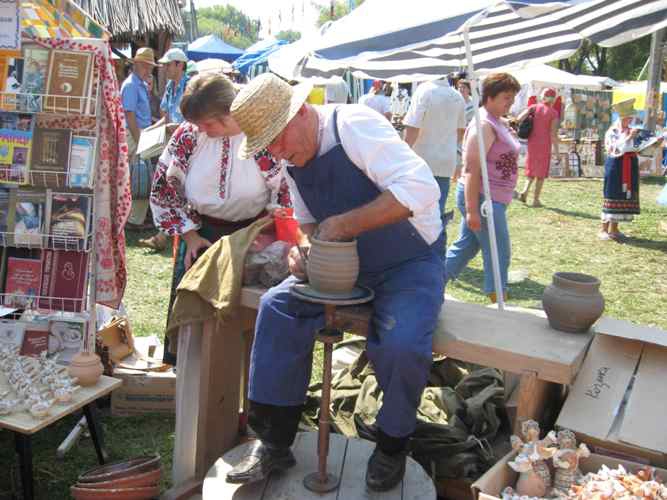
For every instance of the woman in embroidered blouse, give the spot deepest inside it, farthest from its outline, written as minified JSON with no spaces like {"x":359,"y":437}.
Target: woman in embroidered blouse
{"x":621,"y":173}
{"x":202,"y":190}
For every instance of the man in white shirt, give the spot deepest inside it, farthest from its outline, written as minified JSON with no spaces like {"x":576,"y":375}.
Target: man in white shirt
{"x":378,"y":98}
{"x":435,"y":124}
{"x":351,"y":177}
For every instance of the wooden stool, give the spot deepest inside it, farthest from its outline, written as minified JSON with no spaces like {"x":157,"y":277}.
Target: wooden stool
{"x":347,"y":460}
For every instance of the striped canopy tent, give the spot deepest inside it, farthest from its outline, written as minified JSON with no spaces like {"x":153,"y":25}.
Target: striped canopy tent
{"x":58,"y":19}
{"x":421,"y":39}
{"x":427,"y":39}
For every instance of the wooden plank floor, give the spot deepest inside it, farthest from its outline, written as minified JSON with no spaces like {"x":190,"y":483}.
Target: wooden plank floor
{"x":347,"y":459}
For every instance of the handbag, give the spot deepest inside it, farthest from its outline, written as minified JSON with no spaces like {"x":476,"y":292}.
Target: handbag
{"x":526,"y":125}
{"x":141,"y":179}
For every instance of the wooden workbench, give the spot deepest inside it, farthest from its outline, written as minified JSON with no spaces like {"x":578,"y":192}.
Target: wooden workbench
{"x":517,"y":341}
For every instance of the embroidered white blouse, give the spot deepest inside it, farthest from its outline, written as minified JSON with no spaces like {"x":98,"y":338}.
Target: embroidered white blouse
{"x":199,"y":175}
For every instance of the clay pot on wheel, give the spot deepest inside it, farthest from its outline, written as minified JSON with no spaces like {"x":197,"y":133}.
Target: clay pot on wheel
{"x":333,"y":266}
{"x":86,"y":367}
{"x":573,"y":302}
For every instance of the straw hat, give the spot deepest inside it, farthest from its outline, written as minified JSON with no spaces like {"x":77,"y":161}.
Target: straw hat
{"x":145,"y":55}
{"x":264,"y":107}
{"x":625,"y":108}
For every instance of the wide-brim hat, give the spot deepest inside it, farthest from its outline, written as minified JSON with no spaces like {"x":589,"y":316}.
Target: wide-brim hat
{"x":625,"y":108}
{"x":264,"y":107}
{"x":174,"y":54}
{"x":145,"y":55}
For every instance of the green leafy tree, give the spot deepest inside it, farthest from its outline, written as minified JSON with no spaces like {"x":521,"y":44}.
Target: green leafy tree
{"x":289,"y":35}
{"x":620,"y":63}
{"x":229,"y":23}
{"x":340,"y":9}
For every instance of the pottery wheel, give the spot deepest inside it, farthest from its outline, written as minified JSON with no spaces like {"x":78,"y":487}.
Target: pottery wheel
{"x":358,"y":295}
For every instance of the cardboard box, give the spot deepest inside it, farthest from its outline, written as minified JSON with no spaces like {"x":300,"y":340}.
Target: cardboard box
{"x":500,"y":476}
{"x":618,"y":401}
{"x":144,"y":392}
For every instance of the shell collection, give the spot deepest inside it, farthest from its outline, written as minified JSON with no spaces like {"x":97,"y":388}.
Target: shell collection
{"x":36,"y":384}
{"x":534,"y":483}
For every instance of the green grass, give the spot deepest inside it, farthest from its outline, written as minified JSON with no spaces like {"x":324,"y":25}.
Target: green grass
{"x":562,"y":236}
{"x":559,"y":237}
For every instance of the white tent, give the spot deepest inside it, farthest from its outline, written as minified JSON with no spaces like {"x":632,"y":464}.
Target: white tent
{"x":543,"y":75}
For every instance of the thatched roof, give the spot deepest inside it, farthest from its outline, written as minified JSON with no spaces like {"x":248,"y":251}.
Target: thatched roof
{"x":127,"y":19}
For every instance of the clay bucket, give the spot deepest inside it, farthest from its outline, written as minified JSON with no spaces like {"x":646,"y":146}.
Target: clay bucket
{"x":86,"y":367}
{"x":573,"y":302}
{"x":150,"y":478}
{"x":333,"y":266}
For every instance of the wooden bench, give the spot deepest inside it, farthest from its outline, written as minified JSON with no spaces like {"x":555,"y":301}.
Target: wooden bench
{"x":518,"y":341}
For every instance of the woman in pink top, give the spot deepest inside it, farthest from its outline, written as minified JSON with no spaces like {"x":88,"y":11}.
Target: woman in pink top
{"x":543,"y":137}
{"x":502,"y":152}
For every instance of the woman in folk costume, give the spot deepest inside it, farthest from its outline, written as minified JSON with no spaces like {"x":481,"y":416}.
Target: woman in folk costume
{"x":203,"y":189}
{"x":621,"y":173}
{"x":543,"y":138}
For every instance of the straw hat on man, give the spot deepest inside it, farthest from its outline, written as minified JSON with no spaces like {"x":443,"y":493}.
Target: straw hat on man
{"x":351,"y":178}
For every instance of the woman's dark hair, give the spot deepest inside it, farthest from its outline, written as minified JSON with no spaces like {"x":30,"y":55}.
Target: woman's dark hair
{"x":495,"y":83}
{"x":206,"y":96}
{"x":465,"y":83}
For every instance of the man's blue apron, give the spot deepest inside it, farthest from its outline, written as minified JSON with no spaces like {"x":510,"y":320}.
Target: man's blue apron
{"x":407,"y":277}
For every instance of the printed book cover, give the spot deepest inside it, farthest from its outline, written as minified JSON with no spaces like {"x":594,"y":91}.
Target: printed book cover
{"x":64,"y":276}
{"x":70,"y":220}
{"x":16,"y":139}
{"x":23,"y":280}
{"x":29,"y":208}
{"x":68,"y":81}
{"x":33,"y":85}
{"x":50,"y":156}
{"x":81,"y":162}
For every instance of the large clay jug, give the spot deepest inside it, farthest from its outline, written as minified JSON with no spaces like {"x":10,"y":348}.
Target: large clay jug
{"x":87,"y":367}
{"x":573,"y":302}
{"x":333,"y":266}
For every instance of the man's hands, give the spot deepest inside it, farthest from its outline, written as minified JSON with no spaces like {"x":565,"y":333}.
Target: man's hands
{"x":296,"y":264}
{"x":333,"y":229}
{"x":195,"y":244}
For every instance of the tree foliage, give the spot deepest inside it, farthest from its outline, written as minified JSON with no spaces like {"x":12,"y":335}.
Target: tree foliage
{"x":620,"y":63}
{"x":229,"y":23}
{"x":289,"y":35}
{"x":340,"y":9}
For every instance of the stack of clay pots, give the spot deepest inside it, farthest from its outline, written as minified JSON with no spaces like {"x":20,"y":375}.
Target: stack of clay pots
{"x":136,"y":479}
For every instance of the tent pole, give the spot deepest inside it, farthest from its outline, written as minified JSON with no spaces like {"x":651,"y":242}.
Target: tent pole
{"x":487,"y":206}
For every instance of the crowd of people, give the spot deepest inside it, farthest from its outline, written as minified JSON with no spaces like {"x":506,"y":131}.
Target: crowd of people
{"x":235,"y":155}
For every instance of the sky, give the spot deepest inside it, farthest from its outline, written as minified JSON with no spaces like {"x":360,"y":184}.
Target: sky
{"x":276,"y":13}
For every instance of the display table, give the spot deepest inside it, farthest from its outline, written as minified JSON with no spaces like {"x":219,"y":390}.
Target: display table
{"x":517,"y":341}
{"x":25,"y":425}
{"x":347,"y":459}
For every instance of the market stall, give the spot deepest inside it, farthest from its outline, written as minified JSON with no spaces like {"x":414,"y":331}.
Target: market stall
{"x":64,"y":189}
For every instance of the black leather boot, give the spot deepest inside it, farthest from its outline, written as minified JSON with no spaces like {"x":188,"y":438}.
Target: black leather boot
{"x":386,"y":466}
{"x":261,"y":461}
{"x":276,"y":428}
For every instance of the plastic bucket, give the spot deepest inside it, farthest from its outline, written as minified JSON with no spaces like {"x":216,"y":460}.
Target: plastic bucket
{"x":286,"y":225}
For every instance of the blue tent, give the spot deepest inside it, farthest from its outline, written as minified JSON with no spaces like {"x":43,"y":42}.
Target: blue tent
{"x":212,"y":46}
{"x":257,"y":53}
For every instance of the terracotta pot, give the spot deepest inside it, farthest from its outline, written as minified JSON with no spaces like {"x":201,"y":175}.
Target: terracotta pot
{"x":87,"y":367}
{"x":333,"y":266}
{"x":573,"y":302}
{"x":117,"y":470}
{"x":81,"y":493}
{"x":150,"y":478}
